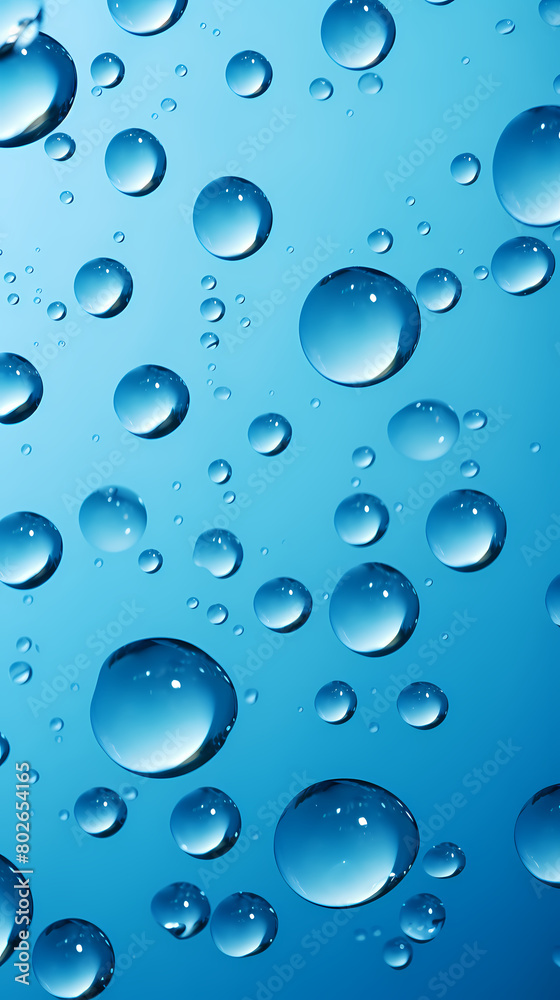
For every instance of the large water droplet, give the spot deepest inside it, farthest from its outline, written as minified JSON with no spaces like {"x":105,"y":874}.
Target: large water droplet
{"x":243,"y":924}
{"x":397,"y":953}
{"x":424,"y":430}
{"x":232,"y":218}
{"x":550,"y":11}
{"x":465,"y":168}
{"x":422,"y":917}
{"x":336,"y":702}
{"x":103,"y":287}
{"x":522,"y":265}
{"x":19,"y":23}
{"x":135,"y":162}
{"x":37,"y":90}
{"x":162,"y":707}
{"x":248,"y":74}
{"x":361,"y":519}
{"x":220,"y":552}
{"x":20,"y":672}
{"x":374,"y":609}
{"x":182,"y":909}
{"x":151,"y":401}
{"x":146,"y":17}
{"x":107,"y":70}
{"x":10,"y":896}
{"x":270,"y":434}
{"x":444,"y":861}
{"x":537,"y":835}
{"x":206,"y":823}
{"x":334,"y":821}
{"x":357,"y":35}
{"x":30,"y":550}
{"x":527,"y":167}
{"x":466,"y":530}
{"x":359,"y":326}
{"x":283,"y":604}
{"x":100,"y":812}
{"x":73,"y":958}
{"x":422,"y":705}
{"x":113,"y":518}
{"x":439,"y":290}
{"x":21,"y":389}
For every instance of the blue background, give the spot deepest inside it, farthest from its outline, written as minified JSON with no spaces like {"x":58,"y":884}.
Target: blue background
{"x":325,"y":176}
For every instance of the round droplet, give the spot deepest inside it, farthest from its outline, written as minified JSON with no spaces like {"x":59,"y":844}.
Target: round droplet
{"x":475,"y":420}
{"x":444,"y":861}
{"x":248,"y":74}
{"x":535,"y":447}
{"x":209,"y":340}
{"x":359,"y":326}
{"x":37,"y":90}
{"x":439,"y":290}
{"x":370,"y":83}
{"x":107,"y":70}
{"x":168,"y":104}
{"x":220,"y":552}
{"x":10,"y":922}
{"x":481,"y":272}
{"x":505,"y":26}
{"x":270,"y":434}
{"x":217,"y":614}
{"x":192,"y":603}
{"x":410,"y":201}
{"x":363,"y":457}
{"x":9,"y":277}
{"x":424,"y":430}
{"x":465,"y":168}
{"x":103,"y":287}
{"x":527,"y":166}
{"x":422,"y":917}
{"x":357,"y":35}
{"x":113,"y":518}
{"x":251,"y":696}
{"x":334,"y":821}
{"x":181,"y":70}
{"x":96,"y":91}
{"x":146,"y":17}
{"x":283,"y":604}
{"x":151,"y":401}
{"x":380,"y":241}
{"x":423,"y":228}
{"x":182,"y":909}
{"x":162,"y":707}
{"x":206,"y":823}
{"x":20,"y":673}
{"x":336,"y":702}
{"x":100,"y":812}
{"x":60,"y":146}
{"x":469,"y":469}
{"x":4,"y":751}
{"x":150,"y":561}
{"x":536,"y":835}
{"x":23,"y":644}
{"x":321,"y":89}
{"x":397,"y":953}
{"x":135,"y":162}
{"x":21,"y":389}
{"x":56,"y":725}
{"x":118,"y":237}
{"x":73,"y":958}
{"x":232,"y":218}
{"x":466,"y":530}
{"x":219,"y":471}
{"x":208,"y":282}
{"x":522,"y":265}
{"x":422,"y":705}
{"x":212,"y":310}
{"x":30,"y":550}
{"x":56,"y":311}
{"x":13,"y":300}
{"x":374,"y":609}
{"x":550,"y":11}
{"x":66,"y":197}
{"x":361,"y":519}
{"x":243,"y":924}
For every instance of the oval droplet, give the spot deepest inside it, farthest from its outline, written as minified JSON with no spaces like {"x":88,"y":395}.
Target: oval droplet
{"x":146,"y":17}
{"x":248,"y":74}
{"x":270,"y":434}
{"x":37,"y":90}
{"x":151,"y":401}
{"x":21,"y":389}
{"x":336,"y":702}
{"x":357,"y":35}
{"x":103,"y":287}
{"x":135,"y":162}
{"x":30,"y":550}
{"x":422,"y":705}
{"x":527,"y":166}
{"x":220,"y":552}
{"x":182,"y":909}
{"x":361,"y":519}
{"x":522,"y":265}
{"x":374,"y":609}
{"x":73,"y":958}
{"x":283,"y":604}
{"x":100,"y":812}
{"x":466,"y":530}
{"x":232,"y":218}
{"x":206,"y":823}
{"x":243,"y":924}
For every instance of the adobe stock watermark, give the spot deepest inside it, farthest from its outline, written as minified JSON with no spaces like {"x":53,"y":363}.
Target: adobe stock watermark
{"x":542,"y":540}
{"x":446,"y":979}
{"x":138,"y":945}
{"x":100,"y":472}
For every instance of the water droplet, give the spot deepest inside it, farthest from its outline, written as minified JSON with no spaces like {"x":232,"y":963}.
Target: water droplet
{"x":444,"y":861}
{"x":37,"y":90}
{"x":222,"y":393}
{"x":181,"y":70}
{"x":466,"y":530}
{"x":422,"y":917}
{"x":465,"y":60}
{"x":475,"y":420}
{"x":248,"y":74}
{"x":535,"y":447}
{"x":556,"y":85}
{"x":422,"y":705}
{"x":359,"y":326}
{"x":243,"y":924}
{"x":332,"y":821}
{"x":100,"y":812}
{"x":96,"y":91}
{"x":283,"y":604}
{"x":217,"y":614}
{"x":264,"y":551}
{"x":103,"y":287}
{"x":469,"y":469}
{"x":209,"y":340}
{"x":370,"y":83}
{"x":150,"y":560}
{"x":522,"y":265}
{"x":481,"y":272}
{"x":73,"y":958}
{"x":10,"y":895}
{"x":410,"y":201}
{"x":168,"y":104}
{"x":229,"y":497}
{"x":552,"y":600}
{"x":20,"y":673}
{"x":206,"y":823}
{"x":361,"y":519}
{"x":216,"y":32}
{"x":60,"y":146}
{"x":220,"y":552}
{"x":219,"y":471}
{"x":363,"y":457}
{"x":9,"y":277}
{"x":113,"y":518}
{"x":270,"y":434}
{"x":26,"y":449}
{"x":128,"y":792}
{"x":423,"y":228}
{"x":178,"y":520}
{"x":29,"y":269}
{"x":505,"y":26}
{"x":30,"y":550}
{"x":536,"y":835}
{"x":439,"y":290}
{"x":107,"y":70}
{"x":527,"y":164}
{"x":13,"y":300}
{"x":315,"y":404}
{"x":321,"y":89}
{"x":357,"y":35}
{"x":336,"y":702}
{"x":212,"y":310}
{"x":56,"y":725}
{"x":397,"y":953}
{"x":153,"y":687}
{"x":21,"y":389}
{"x":182,"y":909}
{"x":64,"y":815}
{"x":176,"y":485}
{"x":350,"y":114}
{"x":192,"y":603}
{"x":232,"y":218}
{"x":424,"y":430}
{"x":374,"y":609}
{"x":151,"y":401}
{"x":23,"y":644}
{"x":380,"y":241}
{"x":465,"y":168}
{"x":135,"y":162}
{"x":56,"y":311}
{"x":550,"y":11}
{"x":208,"y":282}
{"x":146,"y":17}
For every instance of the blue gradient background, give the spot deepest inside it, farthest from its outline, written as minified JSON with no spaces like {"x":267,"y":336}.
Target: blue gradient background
{"x":324,"y":174}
